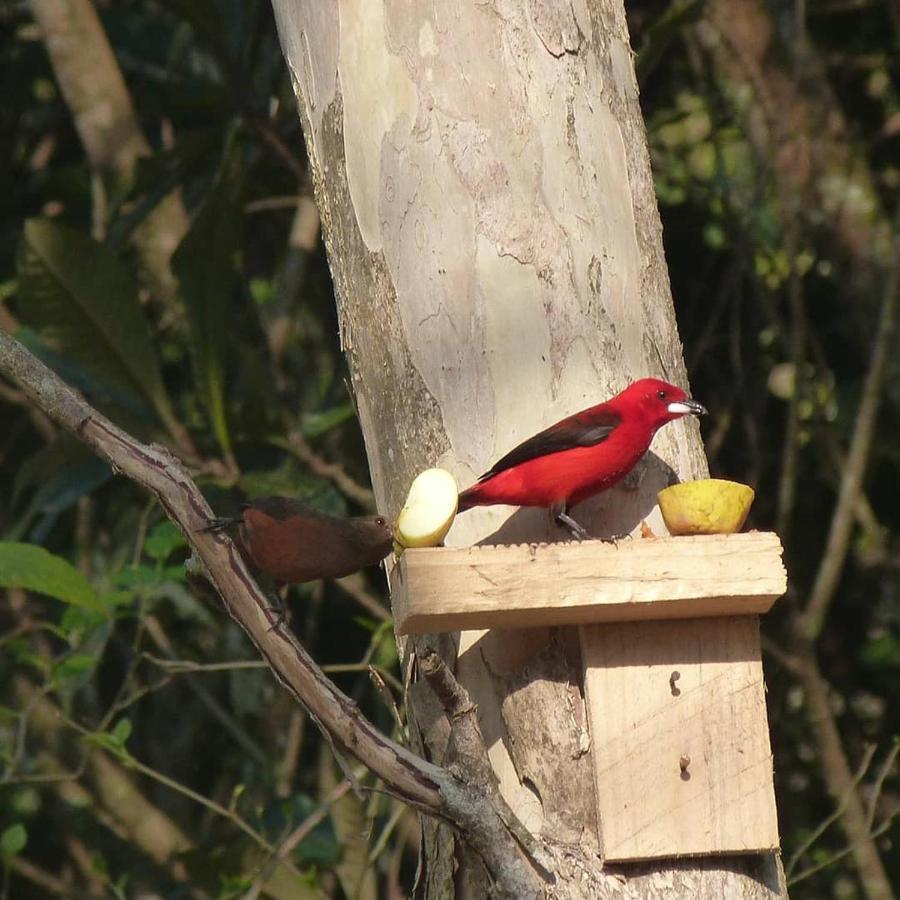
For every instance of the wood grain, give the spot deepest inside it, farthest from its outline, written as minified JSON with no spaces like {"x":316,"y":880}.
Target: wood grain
{"x":680,"y":741}
{"x":449,"y":589}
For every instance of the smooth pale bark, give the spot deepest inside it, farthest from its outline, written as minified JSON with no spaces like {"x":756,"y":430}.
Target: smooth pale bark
{"x":486,"y":197}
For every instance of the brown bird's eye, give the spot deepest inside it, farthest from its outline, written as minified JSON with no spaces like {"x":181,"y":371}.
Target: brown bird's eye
{"x":661,"y":395}
{"x":380,"y":521}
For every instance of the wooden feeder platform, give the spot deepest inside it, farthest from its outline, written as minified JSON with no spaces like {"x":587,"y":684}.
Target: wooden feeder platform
{"x":672,"y":669}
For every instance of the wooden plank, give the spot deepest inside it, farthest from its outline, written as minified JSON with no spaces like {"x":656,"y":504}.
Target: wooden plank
{"x":451,"y":589}
{"x":679,"y":737}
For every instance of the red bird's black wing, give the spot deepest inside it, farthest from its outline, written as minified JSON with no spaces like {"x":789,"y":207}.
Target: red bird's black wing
{"x":584,"y":429}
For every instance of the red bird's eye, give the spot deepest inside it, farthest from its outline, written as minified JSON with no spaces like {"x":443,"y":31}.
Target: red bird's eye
{"x":661,"y":395}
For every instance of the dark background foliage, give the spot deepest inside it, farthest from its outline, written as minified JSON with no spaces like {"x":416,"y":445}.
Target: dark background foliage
{"x":114,"y":670}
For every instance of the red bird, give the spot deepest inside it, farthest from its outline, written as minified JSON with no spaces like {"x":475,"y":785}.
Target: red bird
{"x":292,"y":542}
{"x":583,"y":454}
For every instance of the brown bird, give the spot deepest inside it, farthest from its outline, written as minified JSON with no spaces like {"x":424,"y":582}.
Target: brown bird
{"x":292,"y":542}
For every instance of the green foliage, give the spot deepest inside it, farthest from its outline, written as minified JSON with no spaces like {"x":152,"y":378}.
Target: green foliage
{"x":134,"y":662}
{"x":33,"y":568}
{"x":163,"y":540}
{"x":13,"y":841}
{"x":206,"y":267}
{"x":86,"y":304}
{"x":137,"y":663}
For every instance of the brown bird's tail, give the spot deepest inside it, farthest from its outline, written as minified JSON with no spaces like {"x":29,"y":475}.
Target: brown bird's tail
{"x":216,"y":525}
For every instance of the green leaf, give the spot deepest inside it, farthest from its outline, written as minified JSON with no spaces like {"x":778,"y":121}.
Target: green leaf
{"x":140,"y":576}
{"x":121,"y":732}
{"x":164,"y":539}
{"x":316,"y":423}
{"x":320,"y":847}
{"x":75,"y":665}
{"x":114,"y":740}
{"x":34,"y":569}
{"x":86,"y":303}
{"x":57,"y":475}
{"x":205,"y":264}
{"x":13,"y":840}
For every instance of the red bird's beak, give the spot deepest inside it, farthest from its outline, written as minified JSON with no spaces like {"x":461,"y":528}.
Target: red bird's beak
{"x":686,"y":407}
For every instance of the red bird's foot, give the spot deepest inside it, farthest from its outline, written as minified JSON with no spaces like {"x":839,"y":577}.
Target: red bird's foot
{"x":564,"y":520}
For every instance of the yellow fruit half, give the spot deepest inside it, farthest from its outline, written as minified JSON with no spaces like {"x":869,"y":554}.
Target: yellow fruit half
{"x":709,"y":506}
{"x":429,"y":510}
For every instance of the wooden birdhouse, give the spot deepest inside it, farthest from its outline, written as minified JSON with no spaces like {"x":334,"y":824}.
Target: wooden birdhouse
{"x":672,"y":668}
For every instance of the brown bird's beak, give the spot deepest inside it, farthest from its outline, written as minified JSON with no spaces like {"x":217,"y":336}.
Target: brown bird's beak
{"x":687,"y":407}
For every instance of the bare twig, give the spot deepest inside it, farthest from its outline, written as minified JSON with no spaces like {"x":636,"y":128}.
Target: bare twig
{"x":884,"y":770}
{"x":268,"y":204}
{"x":355,"y":586}
{"x":471,"y":805}
{"x":179,"y":788}
{"x":846,"y":851}
{"x":836,"y":814}
{"x":842,"y":520}
{"x":40,"y":877}
{"x":287,"y":765}
{"x":382,"y":688}
{"x":467,"y":742}
{"x":251,"y":748}
{"x":787,"y":485}
{"x":839,"y":779}
{"x":300,"y":447}
{"x":840,"y":782}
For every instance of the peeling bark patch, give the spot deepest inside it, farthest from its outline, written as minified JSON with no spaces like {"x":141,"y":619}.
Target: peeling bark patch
{"x":392,"y":399}
{"x":555,"y":24}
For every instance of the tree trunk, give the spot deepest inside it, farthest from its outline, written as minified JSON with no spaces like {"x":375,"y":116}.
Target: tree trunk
{"x":486,"y":197}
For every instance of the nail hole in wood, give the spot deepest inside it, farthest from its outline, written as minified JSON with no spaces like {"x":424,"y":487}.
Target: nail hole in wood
{"x":672,"y":679}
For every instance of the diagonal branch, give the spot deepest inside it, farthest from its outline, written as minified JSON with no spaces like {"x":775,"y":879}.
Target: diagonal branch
{"x":431,"y":789}
{"x":842,"y":521}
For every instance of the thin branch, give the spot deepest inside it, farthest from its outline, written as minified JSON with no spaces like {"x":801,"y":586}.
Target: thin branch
{"x":267,"y":204}
{"x":354,"y":585}
{"x":477,"y":811}
{"x":467,"y":741}
{"x":386,"y":832}
{"x":884,"y":770}
{"x":377,"y":678}
{"x":831,"y":860}
{"x":839,"y":778}
{"x":161,"y":639}
{"x":836,"y":814}
{"x":838,"y":543}
{"x":286,"y":768}
{"x":134,"y":763}
{"x":40,"y":877}
{"x":183,"y":666}
{"x":790,"y":458}
{"x":297,"y":444}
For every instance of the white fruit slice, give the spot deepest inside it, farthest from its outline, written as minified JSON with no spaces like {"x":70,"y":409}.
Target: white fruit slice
{"x":429,"y":510}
